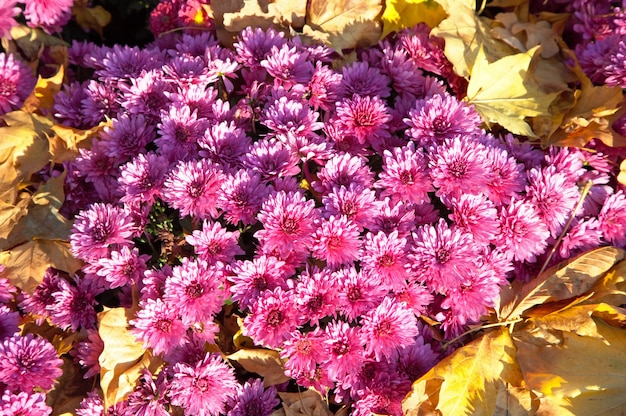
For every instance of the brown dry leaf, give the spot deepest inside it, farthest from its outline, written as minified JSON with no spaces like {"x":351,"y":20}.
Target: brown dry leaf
{"x":69,"y":390}
{"x":65,"y":141}
{"x":26,"y":264}
{"x":266,"y":363}
{"x":523,"y":35}
{"x":10,"y":215}
{"x":306,"y":403}
{"x":562,"y":282}
{"x":9,"y":177}
{"x":344,"y":24}
{"x":216,"y":11}
{"x":90,"y":18}
{"x":582,"y":376}
{"x":469,"y":380}
{"x":251,"y":14}
{"x":611,"y":288}
{"x":42,"y":97}
{"x":400,"y":14}
{"x":30,"y":42}
{"x":504,"y":92}
{"x":123,"y":357}
{"x":465,"y":34}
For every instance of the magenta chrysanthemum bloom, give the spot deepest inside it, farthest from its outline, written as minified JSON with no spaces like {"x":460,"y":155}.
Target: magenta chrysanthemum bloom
{"x":7,"y":290}
{"x":459,"y":166}
{"x":141,"y":179}
{"x":406,"y":77}
{"x":180,"y":130}
{"x":505,"y":177}
{"x":315,"y":296}
{"x":582,"y":236}
{"x":272,"y":159}
{"x":476,"y":215}
{"x":364,"y":118}
{"x":361,"y":79}
{"x":51,"y":16}
{"x":415,"y":360}
{"x":91,"y":405}
{"x":344,"y":349}
{"x":101,"y":100}
{"x":303,"y":352}
{"x":42,"y":298}
{"x":355,"y":203}
{"x":8,"y":12}
{"x":184,"y":70}
{"x":194,"y":291}
{"x":254,"y":45}
{"x":441,"y":256}
{"x":122,"y":267}
{"x":288,"y":66}
{"x":358,"y":293}
{"x":242,"y":197}
{"x":415,"y":296}
{"x":253,"y":397}
{"x":158,"y":326}
{"x":87,"y":353}
{"x":164,"y":17}
{"x":251,"y":278}
{"x":272,"y":318}
{"x":343,"y":170}
{"x":324,"y":87}
{"x":127,"y":137}
{"x":16,"y":83}
{"x":612,"y":219}
{"x":405,"y":175}
{"x":99,"y":227}
{"x":336,"y":241}
{"x":440,"y":117}
{"x":24,"y":404}
{"x":391,"y":325}
{"x":523,"y":235}
{"x":393,"y":216}
{"x":192,"y":187}
{"x":28,"y":362}
{"x":149,"y":396}
{"x":9,"y":322}
{"x":285,"y":117}
{"x":289,"y":221}
{"x":214,"y":243}
{"x":385,"y":256}
{"x":203,"y":389}
{"x":74,"y":305}
{"x":225,"y":143}
{"x":146,"y":94}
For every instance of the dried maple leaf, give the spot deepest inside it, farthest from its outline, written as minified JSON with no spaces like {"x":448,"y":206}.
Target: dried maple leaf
{"x":306,"y":403}
{"x":266,"y":363}
{"x":400,"y":14}
{"x":90,"y":18}
{"x":42,"y":97}
{"x":526,"y":35}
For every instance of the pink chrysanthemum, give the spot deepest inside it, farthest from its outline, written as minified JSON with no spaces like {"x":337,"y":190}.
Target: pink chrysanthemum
{"x":28,"y":362}
{"x":415,"y":296}
{"x":505,"y":177}
{"x":405,"y":175}
{"x":87,"y":353}
{"x":288,"y":66}
{"x":271,"y":319}
{"x":476,"y":215}
{"x":391,"y":325}
{"x":214,"y":243}
{"x":7,"y":290}
{"x":9,"y":322}
{"x":204,"y":388}
{"x":336,"y":241}
{"x":324,"y":87}
{"x":354,"y":202}
{"x":343,"y":170}
{"x":553,"y":195}
{"x":254,"y":45}
{"x":180,"y":130}
{"x":51,"y":16}
{"x":149,"y":396}
{"x":612,"y":219}
{"x":74,"y":305}
{"x":434,"y":119}
{"x":158,"y":326}
{"x":251,"y":278}
{"x":142,"y":178}
{"x":523,"y":235}
{"x":242,"y":197}
{"x":393,"y":216}
{"x":362,"y":79}
{"x":8,"y":12}
{"x":194,"y":291}
{"x":16,"y":83}
{"x":146,"y":94}
{"x":303,"y":352}
{"x":192,"y":187}
{"x":99,"y":227}
{"x":252,"y":395}
{"x":459,"y":166}
{"x":364,"y":118}
{"x":315,"y":296}
{"x":582,"y":236}
{"x":441,"y":255}
{"x":225,"y":144}
{"x":358,"y":293}
{"x":272,"y":159}
{"x":287,"y":117}
{"x":91,"y":405}
{"x":288,"y":222}
{"x":122,"y":267}
{"x":385,"y":256}
{"x":38,"y":303}
{"x":344,"y":349}
{"x":24,"y":404}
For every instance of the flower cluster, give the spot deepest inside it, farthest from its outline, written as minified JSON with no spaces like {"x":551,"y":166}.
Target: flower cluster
{"x":50,"y":16}
{"x":351,"y":218}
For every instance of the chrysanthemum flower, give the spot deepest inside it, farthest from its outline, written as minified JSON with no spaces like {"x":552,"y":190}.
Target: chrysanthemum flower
{"x":241,"y":197}
{"x":287,"y":65}
{"x":37,"y":303}
{"x":122,"y":267}
{"x":612,"y":219}
{"x":356,"y":203}
{"x":192,"y":188}
{"x":415,"y":296}
{"x":254,"y":45}
{"x":194,"y":291}
{"x":91,"y":405}
{"x":122,"y":63}
{"x":8,"y":12}
{"x":164,"y":17}
{"x":344,"y":350}
{"x":523,"y":235}
{"x":101,"y":101}
{"x":74,"y":305}
{"x":149,"y":396}
{"x":385,"y":256}
{"x":406,"y":77}
{"x":289,"y":221}
{"x":251,"y":278}
{"x":391,"y":325}
{"x":28,"y":362}
{"x":405,"y":175}
{"x":51,"y":16}
{"x":272,"y":318}
{"x":225,"y":143}
{"x":127,"y":137}
{"x":272,"y":159}
{"x":582,"y":236}
{"x":22,"y":403}
{"x":184,"y":70}
{"x":343,"y":170}
{"x":416,"y":359}
{"x":253,"y":397}
{"x":158,"y":326}
{"x":336,"y":241}
{"x":87,"y":353}
{"x":358,"y":293}
{"x":9,"y":322}
{"x":7,"y":290}
{"x":286,"y":117}
{"x":324,"y":87}
{"x":142,"y":178}
{"x":315,"y":296}
{"x":364,"y":118}
{"x":145,"y":94}
{"x":98,"y":228}
{"x":393,"y":216}
{"x":362,"y":79}
{"x":214,"y":243}
{"x":476,"y":215}
{"x":440,"y":117}
{"x":204,"y":388}
{"x":16,"y":83}
{"x":505,"y":177}
{"x":303,"y":352}
{"x":180,"y":130}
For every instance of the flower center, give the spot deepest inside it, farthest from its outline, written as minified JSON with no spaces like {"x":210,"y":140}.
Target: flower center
{"x":194,"y":290}
{"x":274,"y":318}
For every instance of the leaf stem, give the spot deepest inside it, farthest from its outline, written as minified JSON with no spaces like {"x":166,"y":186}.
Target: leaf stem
{"x":480,"y":328}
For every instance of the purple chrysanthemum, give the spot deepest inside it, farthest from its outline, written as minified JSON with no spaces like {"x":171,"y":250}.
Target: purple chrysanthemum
{"x":385,"y":256}
{"x":24,"y":404}
{"x":122,"y":267}
{"x":7,"y":290}
{"x":405,"y":175}
{"x":142,"y":178}
{"x":254,"y":45}
{"x":74,"y":305}
{"x":364,"y":118}
{"x":355,"y":203}
{"x":286,"y":117}
{"x":127,"y":137}
{"x":476,"y":215}
{"x":149,"y":396}
{"x":9,"y":322}
{"x":343,"y":170}
{"x":214,"y":243}
{"x":287,"y":65}
{"x":242,"y":197}
{"x":315,"y":296}
{"x":28,"y":362}
{"x":358,"y":292}
{"x":272,"y":159}
{"x":180,"y":130}
{"x":505,"y":177}
{"x":612,"y":219}
{"x":158,"y":326}
{"x":253,"y":399}
{"x":225,"y":143}
{"x":344,"y":349}
{"x":362,"y":79}
{"x":51,"y":16}
{"x":87,"y":353}
{"x":16,"y":83}
{"x":251,"y":278}
{"x":303,"y":352}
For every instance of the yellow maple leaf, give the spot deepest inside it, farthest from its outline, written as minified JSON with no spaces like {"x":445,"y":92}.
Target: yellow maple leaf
{"x":504,"y":92}
{"x":42,"y":97}
{"x":400,"y":14}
